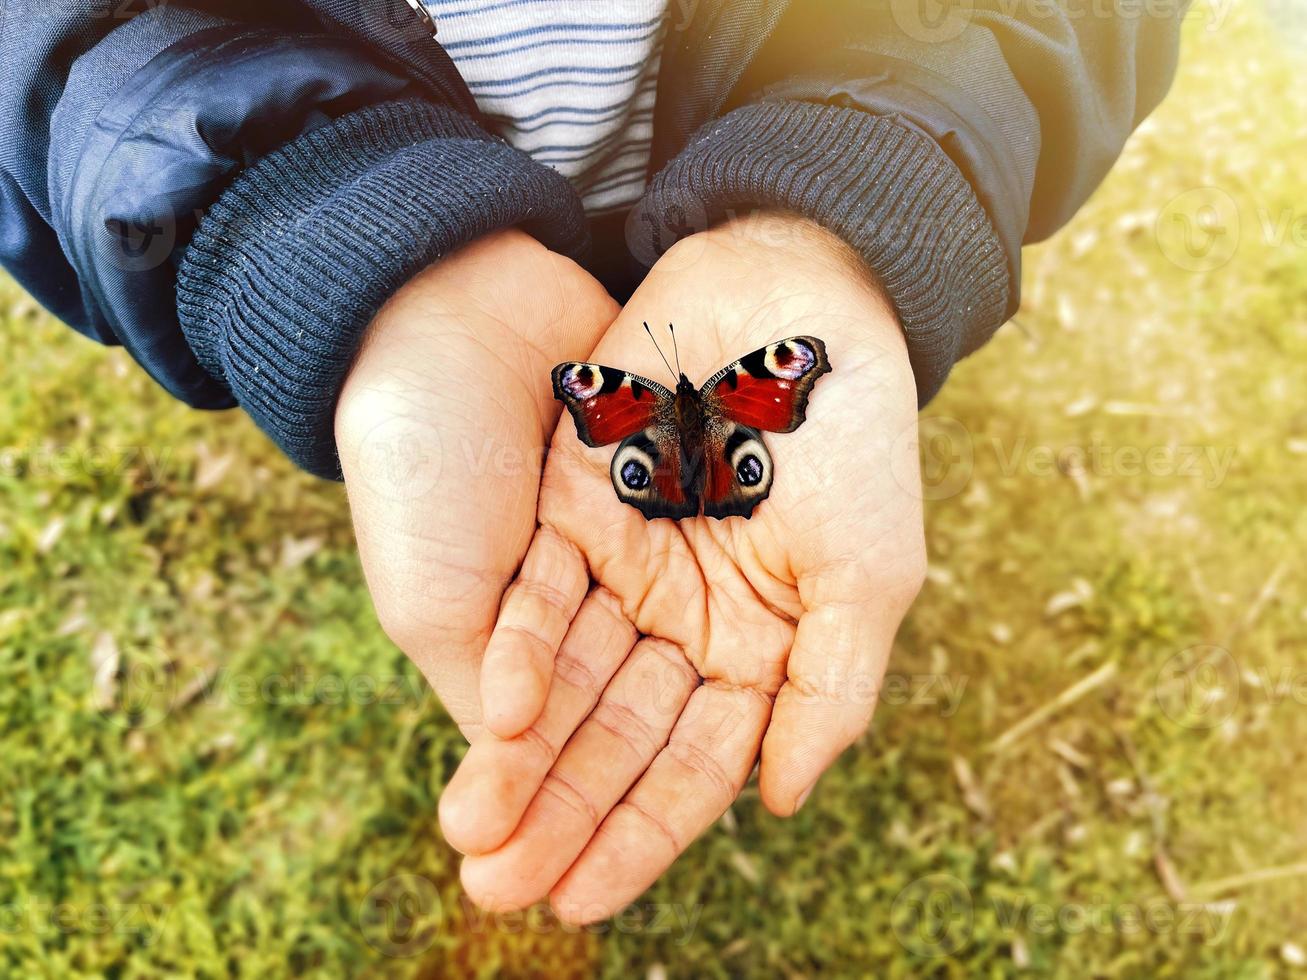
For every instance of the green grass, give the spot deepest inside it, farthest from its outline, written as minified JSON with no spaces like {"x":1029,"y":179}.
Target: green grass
{"x":190,"y":784}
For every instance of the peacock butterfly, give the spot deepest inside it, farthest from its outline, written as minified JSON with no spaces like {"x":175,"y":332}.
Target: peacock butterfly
{"x":680,"y":447}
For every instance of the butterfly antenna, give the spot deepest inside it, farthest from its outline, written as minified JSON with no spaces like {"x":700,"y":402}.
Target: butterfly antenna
{"x":676,"y":351}
{"x":656,"y":347}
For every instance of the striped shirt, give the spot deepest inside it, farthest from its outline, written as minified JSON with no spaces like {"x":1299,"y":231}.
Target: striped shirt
{"x":570,"y":83}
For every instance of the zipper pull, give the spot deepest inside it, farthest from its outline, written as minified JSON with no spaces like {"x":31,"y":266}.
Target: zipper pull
{"x":424,"y":15}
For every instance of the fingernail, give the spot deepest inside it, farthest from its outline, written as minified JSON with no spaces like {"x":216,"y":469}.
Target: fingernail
{"x":803,"y":797}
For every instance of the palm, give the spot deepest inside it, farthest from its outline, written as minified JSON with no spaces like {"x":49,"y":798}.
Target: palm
{"x":768,"y":634}
{"x":441,"y":432}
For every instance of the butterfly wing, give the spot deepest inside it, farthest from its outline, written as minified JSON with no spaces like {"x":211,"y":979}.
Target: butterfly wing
{"x":608,"y":405}
{"x":766,"y":390}
{"x":648,"y":469}
{"x":737,"y":470}
{"x":769,"y":388}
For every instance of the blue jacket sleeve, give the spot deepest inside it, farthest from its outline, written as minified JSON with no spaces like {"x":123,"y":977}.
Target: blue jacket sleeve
{"x":231,"y":196}
{"x":934,"y":138}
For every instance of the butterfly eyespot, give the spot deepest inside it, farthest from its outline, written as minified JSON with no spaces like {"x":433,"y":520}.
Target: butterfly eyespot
{"x":635,"y":475}
{"x":583,"y":381}
{"x":790,"y":360}
{"x":749,"y":471}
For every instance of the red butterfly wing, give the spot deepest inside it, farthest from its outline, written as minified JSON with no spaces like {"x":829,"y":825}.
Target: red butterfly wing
{"x":766,"y":390}
{"x":769,"y":388}
{"x":608,"y":405}
{"x":738,"y":473}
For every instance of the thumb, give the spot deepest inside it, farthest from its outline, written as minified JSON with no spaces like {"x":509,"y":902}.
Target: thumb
{"x":834,"y":673}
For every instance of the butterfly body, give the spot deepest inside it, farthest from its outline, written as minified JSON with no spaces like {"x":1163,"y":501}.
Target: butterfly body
{"x":691,"y":446}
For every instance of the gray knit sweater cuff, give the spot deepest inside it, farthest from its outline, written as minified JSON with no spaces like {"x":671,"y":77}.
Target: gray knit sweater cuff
{"x":293,"y":261}
{"x":887,"y":189}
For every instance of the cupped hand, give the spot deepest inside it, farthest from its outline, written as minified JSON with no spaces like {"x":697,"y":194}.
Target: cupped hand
{"x":762,"y":636}
{"x":441,"y":428}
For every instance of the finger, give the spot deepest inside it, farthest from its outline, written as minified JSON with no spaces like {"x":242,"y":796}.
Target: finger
{"x":689,"y":785}
{"x":535,"y":615}
{"x":626,"y":730}
{"x":834,"y":674}
{"x":498,"y":777}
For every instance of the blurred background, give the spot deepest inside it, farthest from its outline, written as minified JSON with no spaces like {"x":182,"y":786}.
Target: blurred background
{"x":1089,"y":751}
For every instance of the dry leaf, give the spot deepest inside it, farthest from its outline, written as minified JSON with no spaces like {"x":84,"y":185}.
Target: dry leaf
{"x":50,"y":535}
{"x":972,"y":795}
{"x":296,"y":551}
{"x":105,"y":659}
{"x":745,"y":867}
{"x":211,"y":468}
{"x":1079,"y":593}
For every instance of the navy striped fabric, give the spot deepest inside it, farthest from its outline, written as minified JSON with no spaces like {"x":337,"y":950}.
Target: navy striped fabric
{"x":570,"y":83}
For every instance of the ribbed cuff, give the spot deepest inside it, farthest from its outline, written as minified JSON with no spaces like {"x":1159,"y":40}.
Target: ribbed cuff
{"x":886,"y":189}
{"x":291,"y":263}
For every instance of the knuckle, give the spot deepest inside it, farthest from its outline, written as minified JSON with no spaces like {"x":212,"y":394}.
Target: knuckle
{"x":704,"y":765}
{"x":646,"y":817}
{"x":537,"y":743}
{"x":620,"y":721}
{"x":551,"y":596}
{"x":570,"y":796}
{"x":672,"y":656}
{"x":577,"y":673}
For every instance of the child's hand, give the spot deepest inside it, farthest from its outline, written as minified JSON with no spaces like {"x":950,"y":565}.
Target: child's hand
{"x":787,"y":617}
{"x":441,"y":429}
